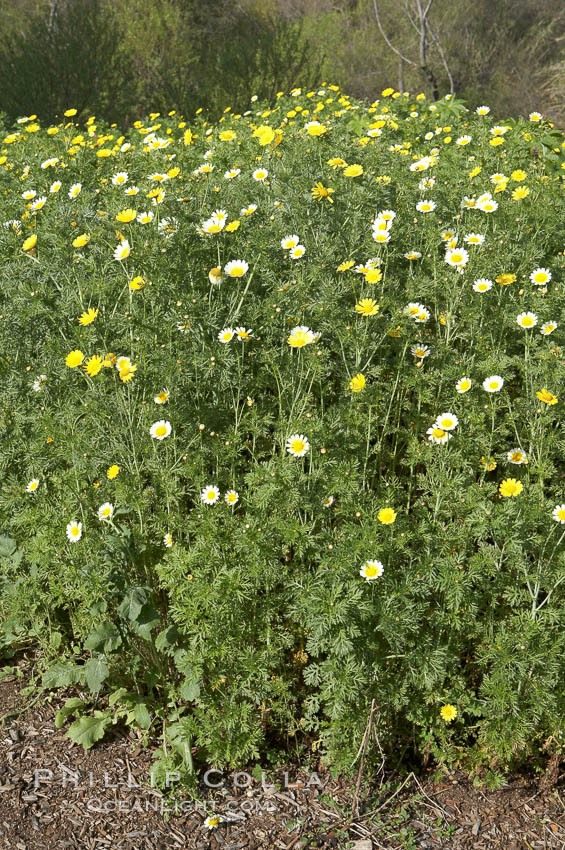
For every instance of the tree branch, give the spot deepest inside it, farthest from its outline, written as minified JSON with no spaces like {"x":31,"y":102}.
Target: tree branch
{"x":444,"y":60}
{"x":388,"y":42}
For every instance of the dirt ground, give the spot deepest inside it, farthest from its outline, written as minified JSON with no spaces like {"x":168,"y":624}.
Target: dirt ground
{"x":55,"y":795}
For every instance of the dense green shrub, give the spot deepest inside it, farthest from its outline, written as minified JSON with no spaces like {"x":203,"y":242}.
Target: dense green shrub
{"x":252,"y":618}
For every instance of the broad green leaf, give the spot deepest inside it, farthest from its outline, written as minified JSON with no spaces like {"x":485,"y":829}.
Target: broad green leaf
{"x":147,"y":620}
{"x":7,"y":546}
{"x":134,"y":600}
{"x":70,"y":707}
{"x":104,"y":638}
{"x":96,"y":671}
{"x":166,"y":638}
{"x":61,"y":676}
{"x":87,"y":730}
{"x":142,"y":715}
{"x":190,"y":690}
{"x":116,"y":696}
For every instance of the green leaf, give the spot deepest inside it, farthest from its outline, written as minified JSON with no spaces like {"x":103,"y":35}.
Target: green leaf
{"x":87,"y":730}
{"x":190,"y":690}
{"x":166,"y":638}
{"x":96,"y":671}
{"x":142,"y":715}
{"x":72,"y":706}
{"x":104,"y":638}
{"x":116,"y":696}
{"x":133,"y":602}
{"x":7,"y":546}
{"x":147,"y":620}
{"x":61,"y":676}
{"x":55,"y":639}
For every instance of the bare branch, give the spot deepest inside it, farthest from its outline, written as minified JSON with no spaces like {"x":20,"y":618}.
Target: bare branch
{"x":388,"y":42}
{"x":428,"y":7}
{"x":444,"y":60}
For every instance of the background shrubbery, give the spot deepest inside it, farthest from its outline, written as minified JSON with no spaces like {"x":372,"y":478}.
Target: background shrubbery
{"x":123,"y":58}
{"x":255,"y":624}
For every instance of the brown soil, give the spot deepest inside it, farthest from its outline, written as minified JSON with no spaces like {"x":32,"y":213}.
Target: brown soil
{"x":102,"y":798}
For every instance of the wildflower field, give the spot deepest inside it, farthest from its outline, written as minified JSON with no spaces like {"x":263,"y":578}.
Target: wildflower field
{"x":282,"y":427}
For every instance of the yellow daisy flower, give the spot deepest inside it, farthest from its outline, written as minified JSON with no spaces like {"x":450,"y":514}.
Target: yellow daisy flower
{"x":367,"y":307}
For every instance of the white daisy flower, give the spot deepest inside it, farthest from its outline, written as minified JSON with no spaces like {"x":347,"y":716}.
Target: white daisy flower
{"x":74,"y":191}
{"x":161,"y":429}
{"x":548,"y":328}
{"x":168,"y":226}
{"x":527,"y":320}
{"x":483,"y":284}
{"x":447,"y":421}
{"x":297,"y":252}
{"x":236,"y":268}
{"x":422,"y":317}
{"x":168,"y":540}
{"x":517,"y":456}
{"x":457,"y":257}
{"x":290,"y":242}
{"x":463,"y":385}
{"x":488,"y":205}
{"x":38,"y":204}
{"x":559,"y":514}
{"x":231,"y":497}
{"x":120,"y":178}
{"x":260,"y":174}
{"x":123,"y":250}
{"x":438,"y":436}
{"x":39,"y":383}
{"x":32,"y":485}
{"x":213,"y":225}
{"x":226,"y":335}
{"x":106,"y":511}
{"x":540,"y":276}
{"x":371,"y":570}
{"x":297,"y":445}
{"x":420,"y":351}
{"x":243,"y":333}
{"x":474,"y":239}
{"x":210,"y":494}
{"x":493,"y":384}
{"x":74,"y":531}
{"x":426,"y":206}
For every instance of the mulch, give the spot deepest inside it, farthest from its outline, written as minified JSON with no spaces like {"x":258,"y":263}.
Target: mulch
{"x":55,"y":795}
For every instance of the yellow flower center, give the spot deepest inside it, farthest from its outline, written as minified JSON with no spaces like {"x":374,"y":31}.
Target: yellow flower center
{"x":160,"y":431}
